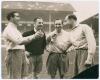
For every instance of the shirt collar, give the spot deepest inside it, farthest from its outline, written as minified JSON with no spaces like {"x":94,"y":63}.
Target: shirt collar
{"x":75,"y":26}
{"x":57,"y":32}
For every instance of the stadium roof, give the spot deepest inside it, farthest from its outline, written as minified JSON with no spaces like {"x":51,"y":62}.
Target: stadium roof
{"x":93,"y":22}
{"x":30,"y":5}
{"x":94,"y":17}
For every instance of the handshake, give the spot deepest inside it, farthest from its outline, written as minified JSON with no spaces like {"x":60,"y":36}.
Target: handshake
{"x":26,"y":40}
{"x":39,"y":34}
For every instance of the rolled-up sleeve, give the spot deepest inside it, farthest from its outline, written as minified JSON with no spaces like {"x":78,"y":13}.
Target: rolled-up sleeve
{"x":90,"y":39}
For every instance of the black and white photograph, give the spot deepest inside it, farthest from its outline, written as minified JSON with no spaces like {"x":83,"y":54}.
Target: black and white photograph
{"x":43,"y":39}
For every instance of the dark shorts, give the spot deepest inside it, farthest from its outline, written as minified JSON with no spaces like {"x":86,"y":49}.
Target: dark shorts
{"x":36,"y":64}
{"x":56,"y":61}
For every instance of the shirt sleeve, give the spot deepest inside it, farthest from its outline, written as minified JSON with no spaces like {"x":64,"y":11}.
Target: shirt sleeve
{"x":14,"y":36}
{"x":90,"y":39}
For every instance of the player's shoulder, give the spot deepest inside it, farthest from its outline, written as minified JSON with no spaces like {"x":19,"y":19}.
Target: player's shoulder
{"x":84,"y":25}
{"x":7,"y":28}
{"x":27,"y":33}
{"x":65,"y":32}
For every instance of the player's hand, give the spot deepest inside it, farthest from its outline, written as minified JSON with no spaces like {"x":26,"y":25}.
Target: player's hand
{"x":39,"y":34}
{"x":6,"y":60}
{"x":27,"y":60}
{"x":89,"y":59}
{"x":27,"y":53}
{"x":88,"y":63}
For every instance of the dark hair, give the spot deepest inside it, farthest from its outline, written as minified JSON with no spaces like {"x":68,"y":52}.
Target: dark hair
{"x":35,"y":19}
{"x":11,"y":14}
{"x":72,"y":16}
{"x":59,"y":19}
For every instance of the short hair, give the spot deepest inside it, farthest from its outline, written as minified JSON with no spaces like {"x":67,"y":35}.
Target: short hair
{"x":35,"y":19}
{"x":58,"y":19}
{"x":11,"y":14}
{"x":72,"y":16}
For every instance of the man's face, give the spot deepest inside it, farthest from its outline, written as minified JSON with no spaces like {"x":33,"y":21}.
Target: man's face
{"x":58,"y":25}
{"x":16,"y":18}
{"x":39,"y":24}
{"x":69,"y":22}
